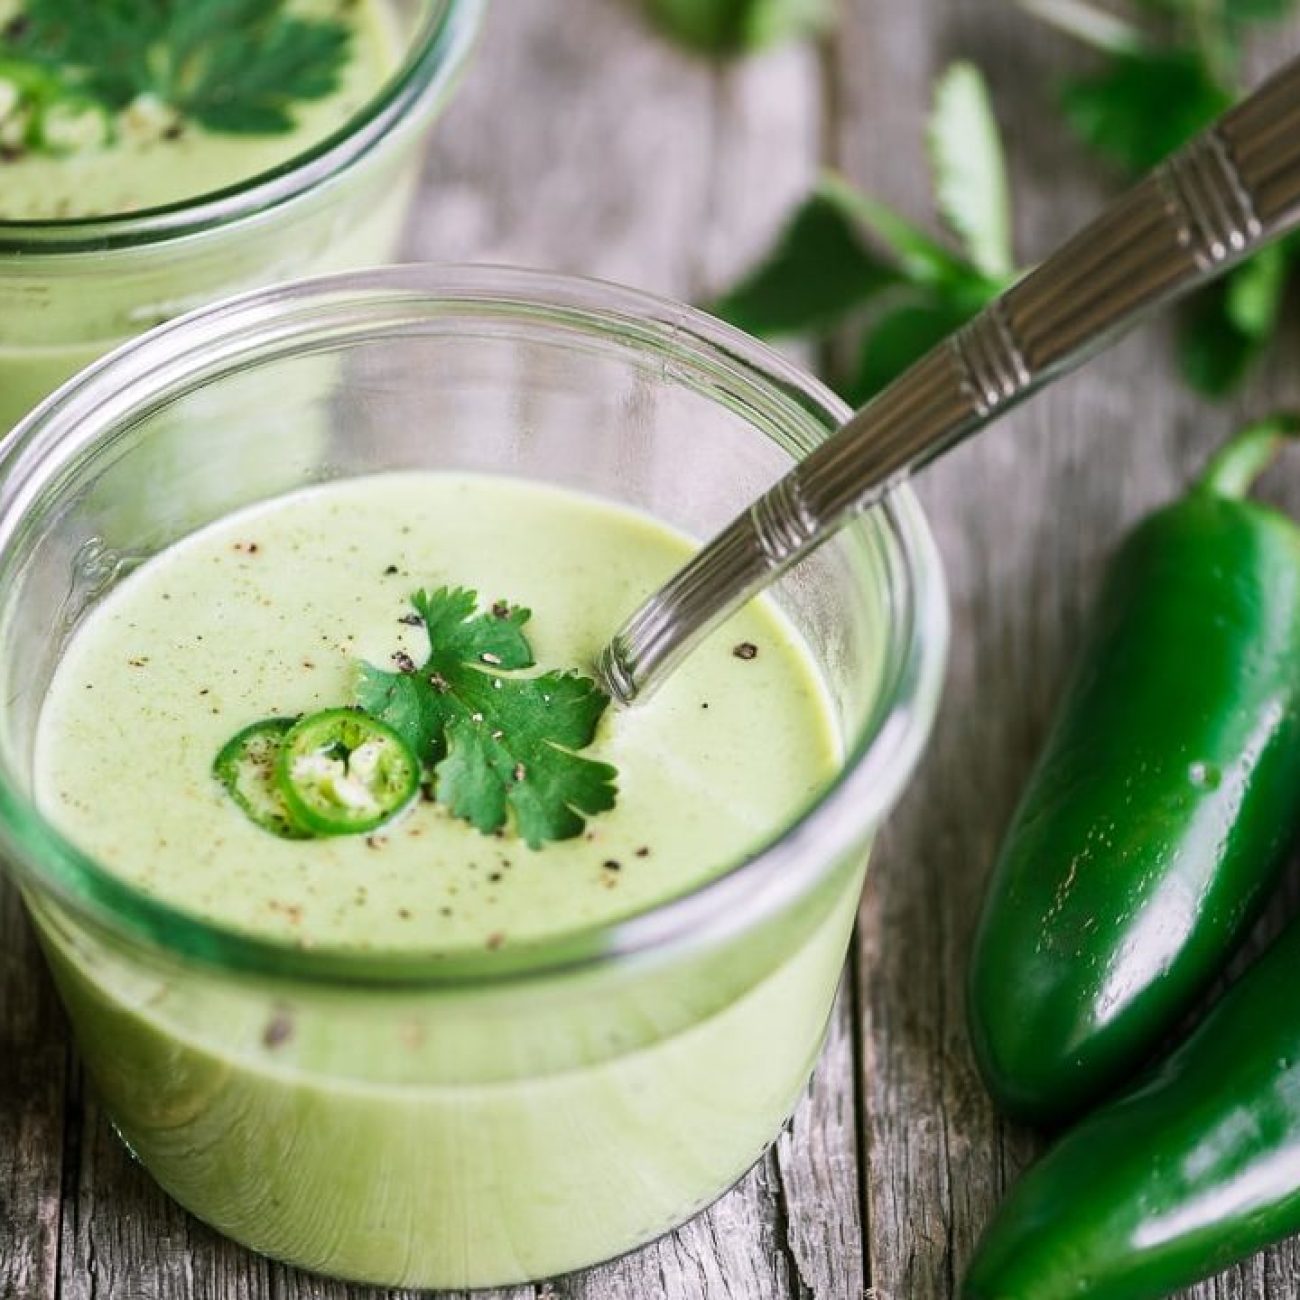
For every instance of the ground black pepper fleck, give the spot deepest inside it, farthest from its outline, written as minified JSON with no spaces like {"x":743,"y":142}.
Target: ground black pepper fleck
{"x":390,"y":571}
{"x":612,"y":865}
{"x":404,"y":662}
{"x":500,"y":609}
{"x":411,"y":620}
{"x":746,"y":650}
{"x":279,"y":1029}
{"x":643,"y":852}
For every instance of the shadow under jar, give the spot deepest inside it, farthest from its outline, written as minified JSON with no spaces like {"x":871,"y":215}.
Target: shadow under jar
{"x":70,"y":290}
{"x":480,"y":1117}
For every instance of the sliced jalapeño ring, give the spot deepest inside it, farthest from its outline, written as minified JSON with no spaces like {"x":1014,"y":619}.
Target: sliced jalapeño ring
{"x":246,"y":767}
{"x":342,"y":772}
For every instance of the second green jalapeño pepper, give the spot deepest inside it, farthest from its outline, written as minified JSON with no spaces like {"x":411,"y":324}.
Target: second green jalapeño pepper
{"x":1195,"y":1168}
{"x":1163,"y":805}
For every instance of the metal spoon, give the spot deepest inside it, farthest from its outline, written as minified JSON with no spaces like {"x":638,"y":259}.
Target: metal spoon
{"x":1232,"y":190}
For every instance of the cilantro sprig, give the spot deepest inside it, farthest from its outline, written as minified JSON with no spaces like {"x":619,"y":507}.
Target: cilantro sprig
{"x":1166,"y":69}
{"x":845,"y":257}
{"x":493,"y":746}
{"x":496,"y":744}
{"x":233,"y":66}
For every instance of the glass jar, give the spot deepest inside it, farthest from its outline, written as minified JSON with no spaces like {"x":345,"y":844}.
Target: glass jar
{"x":71,"y":290}
{"x":491,"y":1117}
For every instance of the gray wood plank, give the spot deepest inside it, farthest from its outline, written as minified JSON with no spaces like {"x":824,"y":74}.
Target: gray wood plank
{"x":578,"y":143}
{"x":33,"y":1083}
{"x":817,"y":1164}
{"x":1025,"y":518}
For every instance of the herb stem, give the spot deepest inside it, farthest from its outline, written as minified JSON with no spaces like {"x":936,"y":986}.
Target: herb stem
{"x":1099,"y":28}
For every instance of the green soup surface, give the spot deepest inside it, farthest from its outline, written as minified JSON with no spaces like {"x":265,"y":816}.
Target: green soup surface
{"x":270,"y":611}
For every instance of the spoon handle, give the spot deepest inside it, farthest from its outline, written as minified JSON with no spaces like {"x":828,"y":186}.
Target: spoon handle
{"x":1233,"y":189}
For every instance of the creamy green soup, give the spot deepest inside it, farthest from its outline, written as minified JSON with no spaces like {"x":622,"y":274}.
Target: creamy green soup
{"x":437,"y":1136}
{"x":148,"y":154}
{"x":271,"y":613}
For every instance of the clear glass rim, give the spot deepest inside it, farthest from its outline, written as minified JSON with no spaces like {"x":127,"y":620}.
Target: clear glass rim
{"x":145,"y":372}
{"x":436,"y":57}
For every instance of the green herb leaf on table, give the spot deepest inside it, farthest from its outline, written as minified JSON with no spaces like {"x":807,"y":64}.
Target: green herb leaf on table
{"x":497,"y":744}
{"x":1229,"y":325}
{"x":844,"y":257}
{"x":233,"y":66}
{"x":920,"y":257}
{"x":903,"y":334}
{"x":1158,"y":85}
{"x":970,"y":175}
{"x":1141,"y":107}
{"x":819,"y":269}
{"x":822,"y":269}
{"x":728,"y":27}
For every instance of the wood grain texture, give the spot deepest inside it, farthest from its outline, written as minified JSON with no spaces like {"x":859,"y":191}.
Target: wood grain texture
{"x":33,"y":1084}
{"x":1025,"y":518}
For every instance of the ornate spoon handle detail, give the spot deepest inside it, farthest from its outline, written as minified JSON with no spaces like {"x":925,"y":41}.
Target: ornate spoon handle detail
{"x":1229,"y":192}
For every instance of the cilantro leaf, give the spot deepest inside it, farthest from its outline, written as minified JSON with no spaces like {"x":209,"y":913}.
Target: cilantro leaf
{"x":1230,"y":323}
{"x":902,"y":336}
{"x":1153,"y":93}
{"x":970,"y":175}
{"x":920,"y":257}
{"x":234,"y":66}
{"x":725,"y":27}
{"x":498,"y":745}
{"x":823,"y":267}
{"x":845,"y":254}
{"x":1254,"y":290}
{"x":238,"y":66}
{"x":1141,"y":107}
{"x":819,"y":269}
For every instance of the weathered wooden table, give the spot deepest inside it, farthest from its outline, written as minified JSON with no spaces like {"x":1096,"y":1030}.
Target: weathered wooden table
{"x":582,"y":143}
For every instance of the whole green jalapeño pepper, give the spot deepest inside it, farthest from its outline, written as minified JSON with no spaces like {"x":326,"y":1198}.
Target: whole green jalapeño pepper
{"x":1163,"y":805}
{"x":1195,"y":1168}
